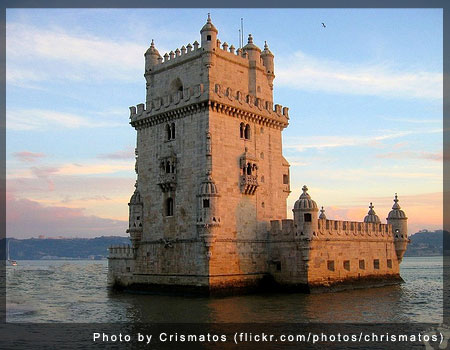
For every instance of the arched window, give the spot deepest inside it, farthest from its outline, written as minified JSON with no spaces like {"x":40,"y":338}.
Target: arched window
{"x":249,"y":169}
{"x":169,"y":207}
{"x":242,"y":130}
{"x":173,"y":131}
{"x":168,"y":132}
{"x":247,"y":132}
{"x":168,"y":167}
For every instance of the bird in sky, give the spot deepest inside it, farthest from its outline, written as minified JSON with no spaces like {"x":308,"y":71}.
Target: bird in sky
{"x":323,"y":24}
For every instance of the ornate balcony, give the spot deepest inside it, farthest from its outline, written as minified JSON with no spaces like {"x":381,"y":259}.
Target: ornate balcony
{"x":249,"y":184}
{"x":167,"y":182}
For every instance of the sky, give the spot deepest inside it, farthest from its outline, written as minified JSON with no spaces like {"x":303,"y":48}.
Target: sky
{"x":365,"y":95}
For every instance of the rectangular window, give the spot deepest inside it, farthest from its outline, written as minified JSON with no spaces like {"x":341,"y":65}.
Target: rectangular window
{"x":376,"y":264}
{"x":347,"y":265}
{"x":128,"y":269}
{"x":278,"y":266}
{"x":330,"y":265}
{"x":362,"y":265}
{"x":389,"y":263}
{"x":206,"y":203}
{"x":286,"y":179}
{"x":307,"y":217}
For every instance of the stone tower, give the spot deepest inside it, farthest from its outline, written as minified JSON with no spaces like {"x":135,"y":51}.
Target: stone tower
{"x":210,"y":169}
{"x":209,"y":209}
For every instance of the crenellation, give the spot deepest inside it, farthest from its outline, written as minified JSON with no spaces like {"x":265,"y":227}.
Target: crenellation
{"x":360,"y":230}
{"x":209,"y":206}
{"x":132,"y":111}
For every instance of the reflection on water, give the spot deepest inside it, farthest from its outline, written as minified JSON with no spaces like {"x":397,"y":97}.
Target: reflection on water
{"x":75,"y":291}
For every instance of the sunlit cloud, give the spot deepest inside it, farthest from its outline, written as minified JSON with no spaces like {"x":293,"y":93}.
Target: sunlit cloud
{"x":305,"y":72}
{"x":70,"y":169}
{"x":28,"y":157}
{"x":38,"y":119}
{"x":26,"y":218}
{"x":330,"y":141}
{"x":127,"y":153}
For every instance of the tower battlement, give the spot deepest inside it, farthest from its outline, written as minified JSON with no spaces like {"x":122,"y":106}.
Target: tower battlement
{"x":209,"y":207}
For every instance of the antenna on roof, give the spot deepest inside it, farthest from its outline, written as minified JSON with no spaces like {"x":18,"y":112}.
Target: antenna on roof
{"x":242,"y":33}
{"x":239,"y":38}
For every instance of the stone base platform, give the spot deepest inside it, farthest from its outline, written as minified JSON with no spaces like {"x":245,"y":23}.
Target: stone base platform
{"x":266,"y":284}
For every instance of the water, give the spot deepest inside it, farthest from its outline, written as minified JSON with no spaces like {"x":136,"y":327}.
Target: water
{"x":75,"y":291}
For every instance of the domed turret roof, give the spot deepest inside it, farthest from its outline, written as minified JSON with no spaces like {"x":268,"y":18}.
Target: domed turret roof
{"x":209,"y":26}
{"x":250,"y":45}
{"x":305,"y":202}
{"x":396,"y":212}
{"x":266,"y":51}
{"x":208,"y":187}
{"x":152,"y":50}
{"x":322,"y":214}
{"x":372,"y":216}
{"x":136,"y":197}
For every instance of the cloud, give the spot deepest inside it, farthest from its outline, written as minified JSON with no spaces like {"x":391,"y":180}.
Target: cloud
{"x":127,"y":153}
{"x":305,"y":72}
{"x":38,"y":119}
{"x":97,"y":198}
{"x":323,"y":142}
{"x":72,"y":169}
{"x":26,"y":218}
{"x":438,"y":156}
{"x":414,"y":121}
{"x":28,"y":157}
{"x":58,"y":54}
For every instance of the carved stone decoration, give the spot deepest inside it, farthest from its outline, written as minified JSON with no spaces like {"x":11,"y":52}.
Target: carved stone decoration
{"x":167,"y":180}
{"x":249,"y":173}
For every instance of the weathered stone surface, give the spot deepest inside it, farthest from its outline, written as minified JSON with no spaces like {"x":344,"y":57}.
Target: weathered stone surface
{"x":209,"y":209}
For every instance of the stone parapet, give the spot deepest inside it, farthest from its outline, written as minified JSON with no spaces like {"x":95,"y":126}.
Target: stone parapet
{"x":121,"y":252}
{"x":356,"y":230}
{"x":221,"y":98}
{"x":336,"y":229}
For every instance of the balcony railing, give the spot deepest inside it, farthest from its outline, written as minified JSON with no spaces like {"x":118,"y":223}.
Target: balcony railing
{"x":167,"y":182}
{"x":249,"y":184}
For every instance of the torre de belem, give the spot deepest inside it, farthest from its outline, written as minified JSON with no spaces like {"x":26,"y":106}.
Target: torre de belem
{"x":209,"y":210}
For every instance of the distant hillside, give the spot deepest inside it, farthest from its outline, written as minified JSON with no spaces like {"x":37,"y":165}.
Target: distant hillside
{"x":423,"y":243}
{"x":427,"y":243}
{"x":74,"y":248}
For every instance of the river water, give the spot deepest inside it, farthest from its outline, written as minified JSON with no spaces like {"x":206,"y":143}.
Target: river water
{"x":75,"y":291}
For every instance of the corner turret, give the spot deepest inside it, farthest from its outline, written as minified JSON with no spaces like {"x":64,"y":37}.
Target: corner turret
{"x":371,"y":216}
{"x":209,"y":35}
{"x":135,"y":217}
{"x":397,"y":218}
{"x":253,"y":51}
{"x":152,"y":57}
{"x":267,"y":59}
{"x":305,"y":215}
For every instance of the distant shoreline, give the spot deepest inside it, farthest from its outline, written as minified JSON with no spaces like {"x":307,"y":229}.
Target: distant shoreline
{"x":423,"y":244}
